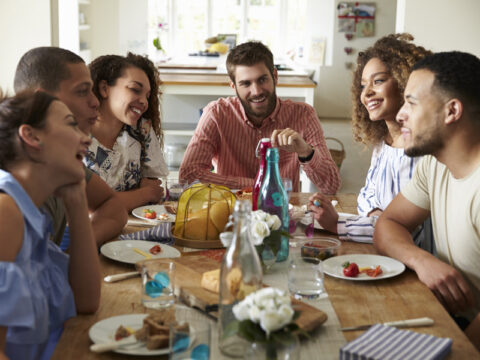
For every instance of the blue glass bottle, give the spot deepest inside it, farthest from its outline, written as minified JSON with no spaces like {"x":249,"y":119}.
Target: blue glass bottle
{"x":273,"y":198}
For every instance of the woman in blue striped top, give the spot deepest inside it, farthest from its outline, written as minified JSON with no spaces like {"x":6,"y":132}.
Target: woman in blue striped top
{"x":379,"y":81}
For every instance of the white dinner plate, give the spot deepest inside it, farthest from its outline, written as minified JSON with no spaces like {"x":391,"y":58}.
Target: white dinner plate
{"x":390,"y":267}
{"x":104,"y":330}
{"x":306,"y":220}
{"x":122,"y":250}
{"x":159,"y":209}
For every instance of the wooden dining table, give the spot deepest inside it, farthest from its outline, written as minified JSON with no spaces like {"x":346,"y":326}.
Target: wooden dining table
{"x":354,"y":302}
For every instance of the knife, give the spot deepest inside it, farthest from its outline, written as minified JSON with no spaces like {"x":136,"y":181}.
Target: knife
{"x":399,"y":324}
{"x":118,"y":277}
{"x":112,"y":345}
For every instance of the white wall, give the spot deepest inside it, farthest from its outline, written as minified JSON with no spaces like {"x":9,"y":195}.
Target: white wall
{"x":24,"y":24}
{"x":442,"y":25}
{"x":119,"y":26}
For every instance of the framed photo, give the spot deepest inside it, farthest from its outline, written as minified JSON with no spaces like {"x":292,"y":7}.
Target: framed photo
{"x":230,"y":40}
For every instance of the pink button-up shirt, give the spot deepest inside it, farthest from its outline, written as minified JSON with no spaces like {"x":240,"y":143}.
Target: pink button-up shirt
{"x":226,"y":138}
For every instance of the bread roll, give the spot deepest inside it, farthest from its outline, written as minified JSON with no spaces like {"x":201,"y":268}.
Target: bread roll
{"x":211,"y":280}
{"x":219,"y":213}
{"x":197,"y":224}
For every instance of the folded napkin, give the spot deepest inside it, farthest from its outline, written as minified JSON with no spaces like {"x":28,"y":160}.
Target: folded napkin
{"x":161,"y":233}
{"x":383,"y":342}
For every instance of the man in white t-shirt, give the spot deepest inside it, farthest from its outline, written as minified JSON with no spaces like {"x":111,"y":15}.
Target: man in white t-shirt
{"x":441,"y":118}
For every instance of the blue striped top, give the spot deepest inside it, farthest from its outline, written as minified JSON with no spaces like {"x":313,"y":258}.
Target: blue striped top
{"x":390,"y":170}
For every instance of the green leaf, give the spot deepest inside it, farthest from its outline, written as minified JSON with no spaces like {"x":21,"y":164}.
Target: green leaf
{"x":231,"y":329}
{"x":251,"y":331}
{"x":282,"y":337}
{"x":156,"y":43}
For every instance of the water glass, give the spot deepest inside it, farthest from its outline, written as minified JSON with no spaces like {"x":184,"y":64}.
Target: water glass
{"x":174,"y":187}
{"x":305,"y":278}
{"x":193,"y":343}
{"x":158,"y":283}
{"x":287,"y":184}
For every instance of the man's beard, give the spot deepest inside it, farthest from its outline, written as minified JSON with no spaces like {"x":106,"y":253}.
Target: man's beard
{"x":271,"y":103}
{"x":427,"y":144}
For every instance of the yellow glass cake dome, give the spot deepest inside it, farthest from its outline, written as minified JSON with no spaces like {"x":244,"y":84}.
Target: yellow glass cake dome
{"x":202,"y":213}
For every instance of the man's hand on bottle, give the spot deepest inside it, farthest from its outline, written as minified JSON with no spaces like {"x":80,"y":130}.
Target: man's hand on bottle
{"x":291,"y":141}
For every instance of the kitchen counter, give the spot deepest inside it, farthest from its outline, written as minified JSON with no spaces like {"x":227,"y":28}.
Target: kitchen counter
{"x":187,"y":81}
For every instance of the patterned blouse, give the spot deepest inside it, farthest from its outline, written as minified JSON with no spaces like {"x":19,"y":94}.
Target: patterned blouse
{"x":124,"y":166}
{"x":390,"y":170}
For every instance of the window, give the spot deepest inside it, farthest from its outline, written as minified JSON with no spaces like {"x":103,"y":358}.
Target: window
{"x":280,"y":24}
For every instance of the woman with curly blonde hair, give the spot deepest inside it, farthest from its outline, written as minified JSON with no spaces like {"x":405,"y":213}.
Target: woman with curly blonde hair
{"x":377,"y":92}
{"x":127,"y":143}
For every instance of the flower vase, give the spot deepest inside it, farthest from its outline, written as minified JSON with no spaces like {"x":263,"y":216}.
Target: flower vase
{"x":274,"y":351}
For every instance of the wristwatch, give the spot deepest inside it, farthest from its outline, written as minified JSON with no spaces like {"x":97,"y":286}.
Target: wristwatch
{"x":307,"y":158}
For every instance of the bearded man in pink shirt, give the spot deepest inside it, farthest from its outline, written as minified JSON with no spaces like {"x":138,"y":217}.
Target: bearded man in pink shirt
{"x":230,"y":129}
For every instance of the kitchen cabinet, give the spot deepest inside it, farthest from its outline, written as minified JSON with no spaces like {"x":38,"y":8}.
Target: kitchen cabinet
{"x":75,"y":28}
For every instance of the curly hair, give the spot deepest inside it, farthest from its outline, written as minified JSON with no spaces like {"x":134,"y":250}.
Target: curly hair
{"x":112,"y":67}
{"x":399,"y":55}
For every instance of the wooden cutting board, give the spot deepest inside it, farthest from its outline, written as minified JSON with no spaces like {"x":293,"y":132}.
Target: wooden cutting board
{"x":189,"y":270}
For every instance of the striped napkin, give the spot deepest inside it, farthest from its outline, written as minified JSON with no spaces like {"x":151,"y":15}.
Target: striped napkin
{"x":383,"y":342}
{"x":161,"y":233}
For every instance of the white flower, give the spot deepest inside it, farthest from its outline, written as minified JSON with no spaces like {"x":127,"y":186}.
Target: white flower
{"x":241,"y":311}
{"x":259,"y":231}
{"x":259,"y":215}
{"x":273,"y":320}
{"x":254,"y":313}
{"x":275,"y":222}
{"x":269,"y":307}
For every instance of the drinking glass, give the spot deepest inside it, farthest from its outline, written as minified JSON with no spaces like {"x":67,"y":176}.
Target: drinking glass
{"x":174,"y":188}
{"x":305,"y":277}
{"x":193,"y":343}
{"x":287,"y":184}
{"x":158,"y":283}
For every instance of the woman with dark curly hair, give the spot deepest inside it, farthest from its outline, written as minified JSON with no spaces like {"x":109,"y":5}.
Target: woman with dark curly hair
{"x":377,"y":92}
{"x":127,"y":143}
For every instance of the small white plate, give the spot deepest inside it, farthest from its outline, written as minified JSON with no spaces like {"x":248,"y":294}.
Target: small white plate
{"x":390,"y":267}
{"x":307,"y":220}
{"x":103,"y":331}
{"x":122,"y":250}
{"x":159,"y":209}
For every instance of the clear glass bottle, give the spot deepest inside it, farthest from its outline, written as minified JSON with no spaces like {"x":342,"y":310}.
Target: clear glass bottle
{"x":273,"y":198}
{"x":260,"y":152}
{"x":240,"y":274}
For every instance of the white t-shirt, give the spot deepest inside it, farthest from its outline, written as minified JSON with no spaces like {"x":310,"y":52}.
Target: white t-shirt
{"x":455,"y":211}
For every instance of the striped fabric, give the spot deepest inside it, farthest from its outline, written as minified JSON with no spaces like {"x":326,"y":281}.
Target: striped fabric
{"x":161,"y":233}
{"x":225,"y":138}
{"x":382,"y":342}
{"x":390,"y":170}
{"x":356,"y":228}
